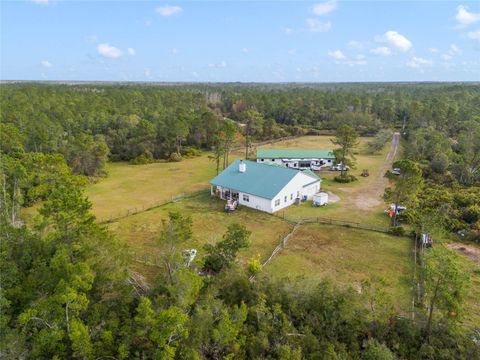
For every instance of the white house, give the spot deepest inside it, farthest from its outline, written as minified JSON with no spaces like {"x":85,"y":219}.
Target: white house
{"x":264,"y":187}
{"x":313,"y":159}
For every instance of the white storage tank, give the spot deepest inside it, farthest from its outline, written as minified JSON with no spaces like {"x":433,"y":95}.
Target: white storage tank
{"x":320,"y":199}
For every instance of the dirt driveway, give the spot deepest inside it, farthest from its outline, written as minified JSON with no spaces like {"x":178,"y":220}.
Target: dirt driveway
{"x":369,"y":195}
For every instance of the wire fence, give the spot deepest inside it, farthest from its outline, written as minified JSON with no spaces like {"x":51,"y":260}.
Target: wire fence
{"x":139,"y":209}
{"x":329,"y":221}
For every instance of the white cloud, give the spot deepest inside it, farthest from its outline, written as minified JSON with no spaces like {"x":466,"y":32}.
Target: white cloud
{"x":315,"y":25}
{"x":131,"y":51}
{"x":418,"y":62}
{"x":454,"y":49}
{"x":464,"y":17}
{"x":147,"y":72}
{"x":292,"y":52}
{"x":46,"y":63}
{"x":324,"y":7}
{"x":168,"y":10}
{"x":433,"y":50}
{"x":337,"y":55}
{"x":245,"y":50}
{"x":396,"y":40}
{"x":381,"y":51}
{"x":174,"y":51}
{"x":41,"y":2}
{"x":288,"y":30}
{"x":109,"y":51}
{"x":474,"y":35}
{"x":356,"y":44}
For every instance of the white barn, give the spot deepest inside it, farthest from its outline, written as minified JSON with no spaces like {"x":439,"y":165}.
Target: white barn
{"x":313,"y":159}
{"x":264,"y":187}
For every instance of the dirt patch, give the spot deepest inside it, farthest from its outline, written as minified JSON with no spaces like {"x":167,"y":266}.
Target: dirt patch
{"x":364,"y":202}
{"x":332,"y":198}
{"x":467,"y":250}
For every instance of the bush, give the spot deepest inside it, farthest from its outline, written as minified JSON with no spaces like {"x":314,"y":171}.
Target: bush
{"x":142,"y":159}
{"x":190,"y":152}
{"x":345,"y":178}
{"x":397,"y":231}
{"x":174,"y":157}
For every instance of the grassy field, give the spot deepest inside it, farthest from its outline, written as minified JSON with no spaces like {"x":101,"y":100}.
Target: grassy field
{"x":210,"y":222}
{"x":471,"y":265}
{"x":135,"y":187}
{"x":139,"y":186}
{"x":130,"y":187}
{"x":347,"y":256}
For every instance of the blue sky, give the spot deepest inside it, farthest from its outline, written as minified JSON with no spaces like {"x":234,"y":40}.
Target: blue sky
{"x":268,"y":41}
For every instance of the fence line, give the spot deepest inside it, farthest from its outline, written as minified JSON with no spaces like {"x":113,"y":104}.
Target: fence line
{"x":329,"y":221}
{"x":143,"y":208}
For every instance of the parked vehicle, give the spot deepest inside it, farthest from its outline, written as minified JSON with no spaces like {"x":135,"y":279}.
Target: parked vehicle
{"x":340,"y":167}
{"x":396,"y":171}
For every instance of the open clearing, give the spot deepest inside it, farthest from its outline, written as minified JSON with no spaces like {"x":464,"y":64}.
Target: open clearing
{"x":347,"y":256}
{"x":210,"y":222}
{"x":130,"y":187}
{"x":471,"y":261}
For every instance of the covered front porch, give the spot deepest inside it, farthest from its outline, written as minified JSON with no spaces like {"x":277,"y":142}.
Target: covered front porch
{"x":224,"y":193}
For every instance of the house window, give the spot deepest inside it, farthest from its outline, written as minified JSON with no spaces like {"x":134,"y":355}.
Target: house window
{"x":246,"y":198}
{"x":291,"y":196}
{"x":277,"y":202}
{"x":298,"y":194}
{"x":285,"y":198}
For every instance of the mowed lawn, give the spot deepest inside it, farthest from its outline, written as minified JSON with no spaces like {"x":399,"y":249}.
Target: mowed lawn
{"x":347,"y":256}
{"x":130,"y":187}
{"x":210,"y":222}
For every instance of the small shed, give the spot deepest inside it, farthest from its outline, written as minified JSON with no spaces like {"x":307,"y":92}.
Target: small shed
{"x":320,"y":199}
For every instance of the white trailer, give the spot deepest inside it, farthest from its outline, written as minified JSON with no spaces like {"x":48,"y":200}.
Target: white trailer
{"x":320,"y":199}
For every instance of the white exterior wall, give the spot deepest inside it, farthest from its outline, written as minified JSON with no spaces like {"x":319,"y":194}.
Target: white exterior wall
{"x":292,"y":190}
{"x":295,"y":188}
{"x":255,"y":202}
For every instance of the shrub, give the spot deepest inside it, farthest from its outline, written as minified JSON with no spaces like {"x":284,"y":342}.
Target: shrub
{"x":397,"y":231}
{"x":190,"y":152}
{"x":174,"y":157}
{"x":254,"y":266}
{"x":142,"y":159}
{"x":345,"y":178}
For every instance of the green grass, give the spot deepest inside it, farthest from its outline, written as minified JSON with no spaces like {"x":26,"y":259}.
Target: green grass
{"x":471,"y":315}
{"x":129,"y":187}
{"x":210,"y":222}
{"x":347,"y":256}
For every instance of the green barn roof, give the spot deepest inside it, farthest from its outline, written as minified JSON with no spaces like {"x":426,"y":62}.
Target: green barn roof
{"x":294,"y":154}
{"x":261,"y":180}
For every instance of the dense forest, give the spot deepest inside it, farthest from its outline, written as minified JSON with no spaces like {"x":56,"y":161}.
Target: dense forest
{"x":66,"y":288}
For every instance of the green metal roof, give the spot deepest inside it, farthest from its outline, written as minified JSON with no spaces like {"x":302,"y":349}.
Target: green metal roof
{"x":261,"y":180}
{"x":311,"y":174}
{"x":295,"y":154}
